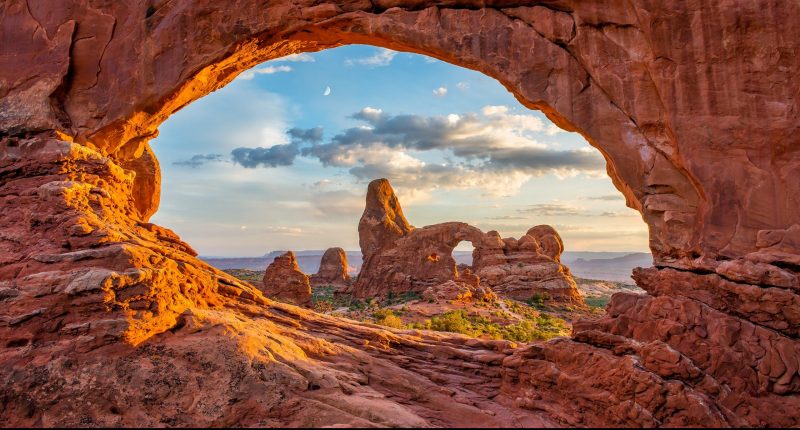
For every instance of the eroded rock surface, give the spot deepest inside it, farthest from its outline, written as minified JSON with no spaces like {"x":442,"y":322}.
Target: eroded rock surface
{"x":284,"y":281}
{"x":526,"y":267}
{"x":332,"y":269}
{"x":108,"y":320}
{"x":402,"y":259}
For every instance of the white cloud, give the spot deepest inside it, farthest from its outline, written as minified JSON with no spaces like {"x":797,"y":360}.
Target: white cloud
{"x":552,"y":130}
{"x":440,"y":92}
{"x":322,"y":183}
{"x":290,"y":231}
{"x":383,"y":57}
{"x":297,"y":58}
{"x":267,"y":70}
{"x":463,"y":86}
{"x":495,"y":151}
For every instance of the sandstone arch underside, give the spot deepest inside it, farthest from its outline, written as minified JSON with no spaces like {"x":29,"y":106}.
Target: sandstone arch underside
{"x":694,"y":105}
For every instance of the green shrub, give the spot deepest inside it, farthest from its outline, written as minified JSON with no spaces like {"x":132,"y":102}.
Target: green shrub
{"x":597,"y":302}
{"x":453,"y":321}
{"x":386,"y":317}
{"x":541,"y":327}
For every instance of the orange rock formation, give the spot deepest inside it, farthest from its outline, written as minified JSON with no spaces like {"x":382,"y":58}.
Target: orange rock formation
{"x":332,"y":269}
{"x":108,"y":320}
{"x":400,"y":258}
{"x":284,"y":281}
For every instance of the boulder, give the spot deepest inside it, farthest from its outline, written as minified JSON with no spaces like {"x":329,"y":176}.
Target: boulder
{"x":284,"y":281}
{"x":332,"y":270}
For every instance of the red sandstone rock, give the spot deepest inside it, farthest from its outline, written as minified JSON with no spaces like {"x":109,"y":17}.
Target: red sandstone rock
{"x":417,"y":259}
{"x":458,"y":291}
{"x":284,"y":281}
{"x":398,"y":257}
{"x":693,"y":104}
{"x":332,"y":269}
{"x":525,"y":268}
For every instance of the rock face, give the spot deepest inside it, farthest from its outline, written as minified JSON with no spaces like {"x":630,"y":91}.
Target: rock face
{"x":693,"y":105}
{"x":459,"y":291}
{"x":284,"y":281}
{"x":332,"y":269}
{"x":526,"y":267}
{"x":401,"y":259}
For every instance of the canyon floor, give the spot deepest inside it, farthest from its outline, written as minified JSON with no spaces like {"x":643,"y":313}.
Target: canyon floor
{"x":507,"y":319}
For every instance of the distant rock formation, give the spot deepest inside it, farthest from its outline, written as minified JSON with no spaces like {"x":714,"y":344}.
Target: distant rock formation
{"x":284,"y":281}
{"x":332,"y":269}
{"x":526,"y":267}
{"x":399,"y":258}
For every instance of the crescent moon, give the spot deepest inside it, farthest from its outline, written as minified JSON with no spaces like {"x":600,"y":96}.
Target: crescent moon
{"x":327,"y":91}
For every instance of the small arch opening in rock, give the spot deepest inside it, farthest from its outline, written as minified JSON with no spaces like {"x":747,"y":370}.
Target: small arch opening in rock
{"x":463,"y":255}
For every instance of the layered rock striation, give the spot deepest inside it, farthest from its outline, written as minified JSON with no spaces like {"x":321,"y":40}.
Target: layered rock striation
{"x":109,"y":320}
{"x":284,"y":281}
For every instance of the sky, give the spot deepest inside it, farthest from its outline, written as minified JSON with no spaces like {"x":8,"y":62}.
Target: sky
{"x":280,"y":158}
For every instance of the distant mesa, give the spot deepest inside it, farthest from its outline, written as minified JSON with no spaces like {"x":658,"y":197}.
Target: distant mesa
{"x":399,"y":258}
{"x":284,"y":281}
{"x":332,"y":269}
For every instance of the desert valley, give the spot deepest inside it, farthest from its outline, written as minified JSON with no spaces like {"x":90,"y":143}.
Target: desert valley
{"x":512,"y":289}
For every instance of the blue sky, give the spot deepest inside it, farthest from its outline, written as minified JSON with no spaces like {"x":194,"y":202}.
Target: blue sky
{"x":280,"y":158}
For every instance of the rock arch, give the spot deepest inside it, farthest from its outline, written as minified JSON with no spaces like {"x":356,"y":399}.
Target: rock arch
{"x":693,"y":105}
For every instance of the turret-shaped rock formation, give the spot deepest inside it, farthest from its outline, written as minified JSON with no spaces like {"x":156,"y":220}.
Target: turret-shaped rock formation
{"x":382,"y":221}
{"x":284,"y":281}
{"x":332,"y":269}
{"x":400,"y":258}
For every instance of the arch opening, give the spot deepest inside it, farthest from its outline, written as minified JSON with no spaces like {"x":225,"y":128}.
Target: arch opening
{"x":291,"y":136}
{"x":553,"y":81}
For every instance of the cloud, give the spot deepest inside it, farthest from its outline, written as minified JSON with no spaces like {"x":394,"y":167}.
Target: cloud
{"x":338,"y":203}
{"x":290,"y":231}
{"x":492,"y":150}
{"x":274,"y":156}
{"x":506,"y":217}
{"x":296,"y":58}
{"x":607,"y":197}
{"x":617,"y":214}
{"x":322,"y":183}
{"x":440,"y":92}
{"x":310,"y":135}
{"x":495,"y":150}
{"x":463,"y":86}
{"x":382,"y":57}
{"x":199,"y":159}
{"x":469,"y":135}
{"x":553,"y":209}
{"x":267,"y":70}
{"x":553,"y":130}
